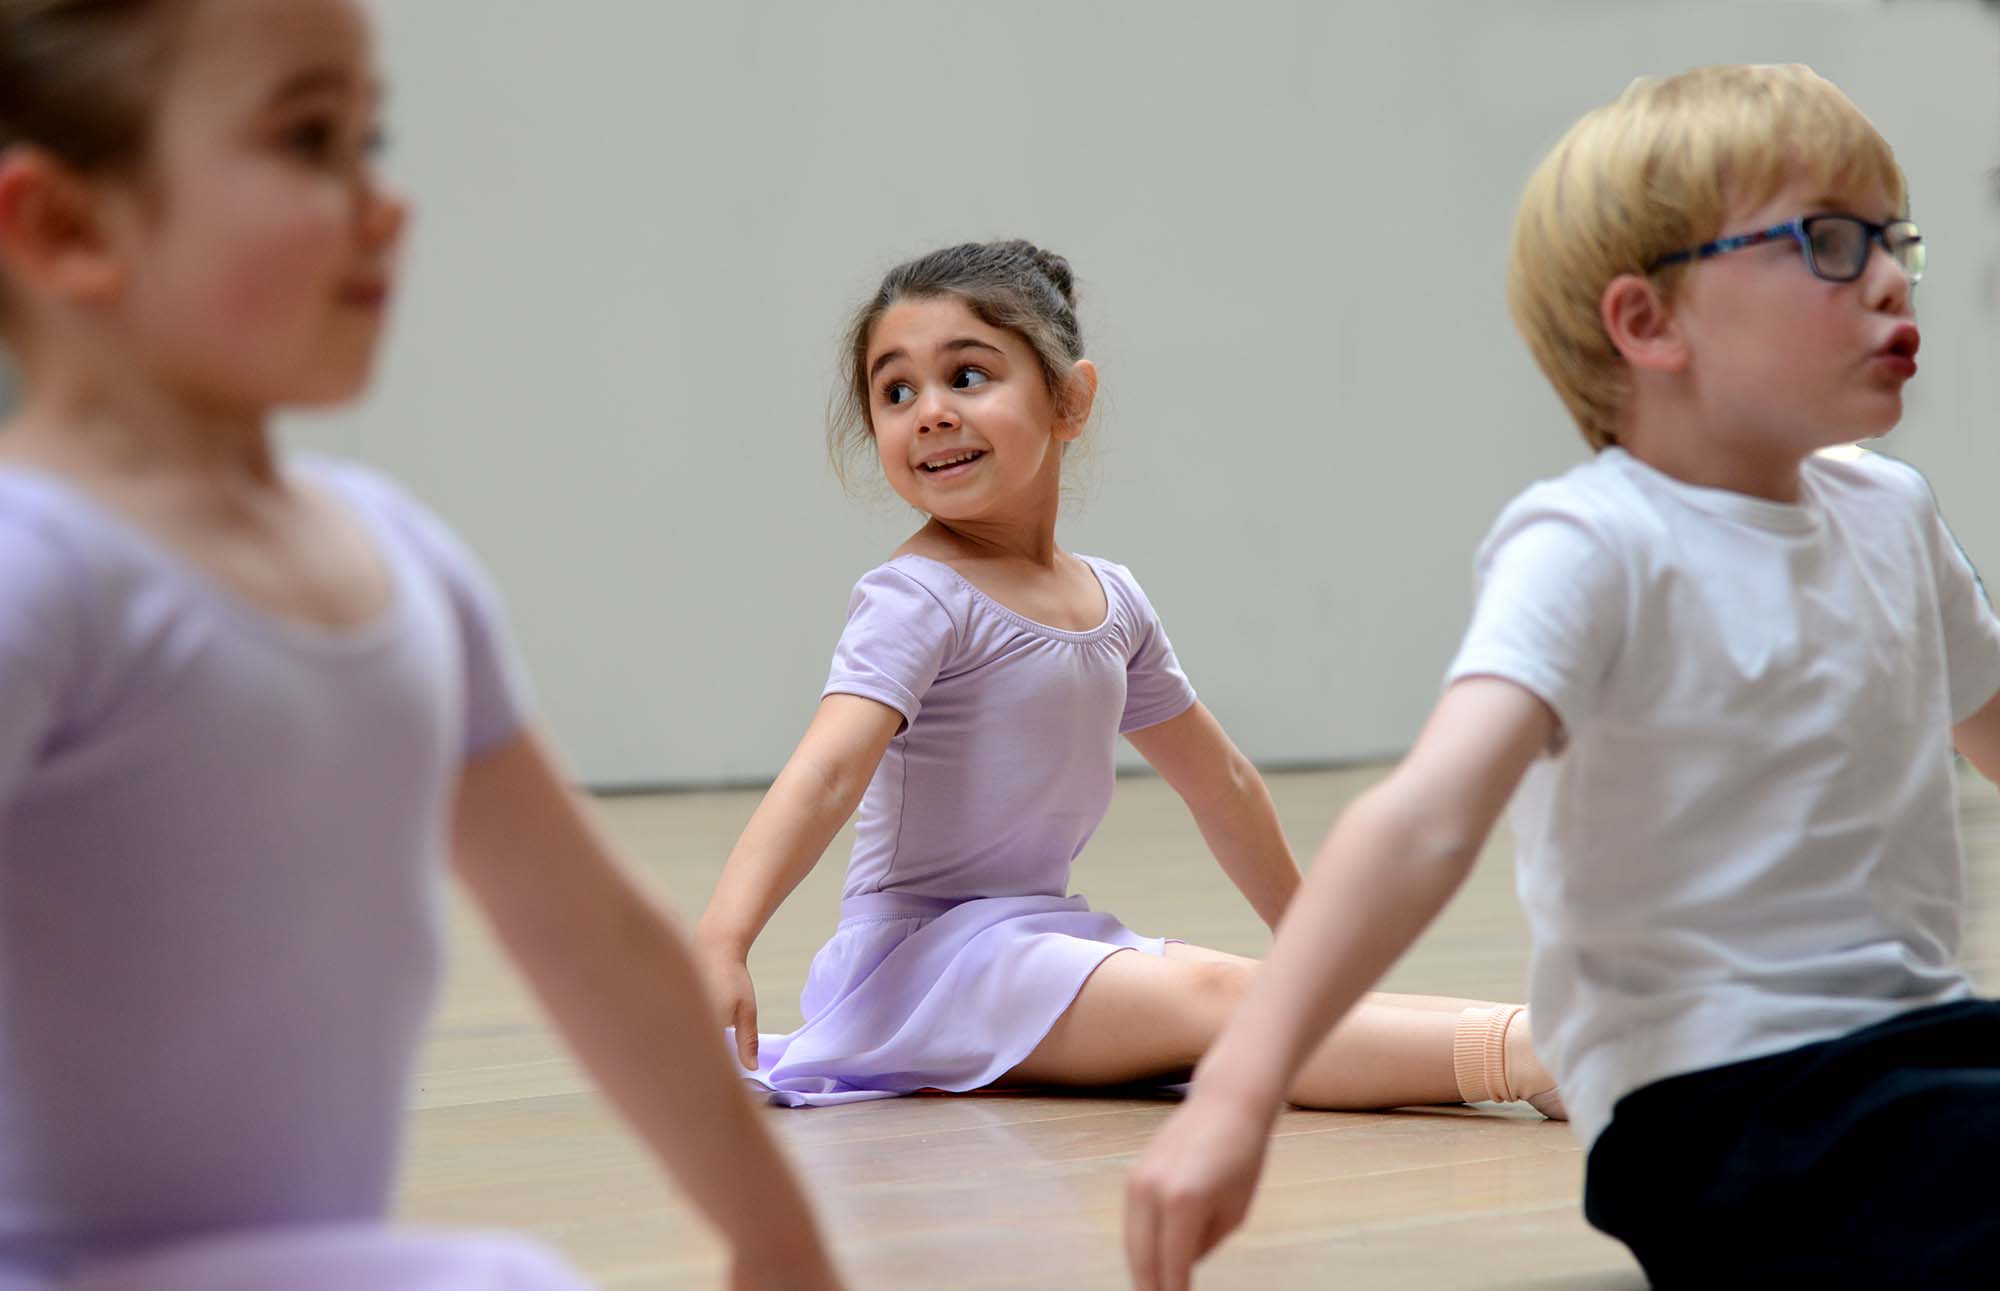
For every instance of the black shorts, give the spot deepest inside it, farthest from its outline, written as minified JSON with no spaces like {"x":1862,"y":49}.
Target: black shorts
{"x":1871,"y":1160}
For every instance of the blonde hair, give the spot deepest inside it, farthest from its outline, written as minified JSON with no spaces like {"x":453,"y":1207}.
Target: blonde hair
{"x":1658,"y":169}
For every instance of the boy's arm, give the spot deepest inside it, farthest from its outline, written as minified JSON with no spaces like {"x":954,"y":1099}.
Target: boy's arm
{"x":1230,"y":805}
{"x":618,"y":979}
{"x":1392,"y":861}
{"x":1978,"y":738}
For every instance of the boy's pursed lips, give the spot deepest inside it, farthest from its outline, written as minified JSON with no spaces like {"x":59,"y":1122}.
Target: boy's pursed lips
{"x":1899,"y":352}
{"x":1903,"y":342}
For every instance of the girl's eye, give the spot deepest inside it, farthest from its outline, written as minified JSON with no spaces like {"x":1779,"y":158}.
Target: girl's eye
{"x":321,"y":141}
{"x":969,"y":378}
{"x":898,"y":392}
{"x":312,"y":139}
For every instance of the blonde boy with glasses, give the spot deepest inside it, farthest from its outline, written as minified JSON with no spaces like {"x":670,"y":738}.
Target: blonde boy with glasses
{"x":1719,"y":670}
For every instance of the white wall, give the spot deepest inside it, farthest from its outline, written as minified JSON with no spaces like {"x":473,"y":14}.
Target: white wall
{"x":642,"y":224}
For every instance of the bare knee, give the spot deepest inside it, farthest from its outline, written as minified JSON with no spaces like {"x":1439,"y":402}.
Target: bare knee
{"x":1217,"y":986}
{"x":1137,"y":1018}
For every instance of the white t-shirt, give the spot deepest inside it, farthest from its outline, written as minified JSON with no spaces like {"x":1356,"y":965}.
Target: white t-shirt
{"x":1746,"y":838}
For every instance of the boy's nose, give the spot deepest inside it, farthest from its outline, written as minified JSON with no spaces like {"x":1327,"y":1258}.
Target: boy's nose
{"x":1886,"y":284}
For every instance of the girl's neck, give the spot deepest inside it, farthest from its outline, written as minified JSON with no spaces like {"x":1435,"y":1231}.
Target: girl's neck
{"x":977,"y":540}
{"x":1021,"y":530}
{"x":134,"y":428}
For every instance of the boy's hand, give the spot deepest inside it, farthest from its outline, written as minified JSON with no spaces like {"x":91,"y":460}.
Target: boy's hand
{"x":735,"y":999}
{"x":1191,"y":1189}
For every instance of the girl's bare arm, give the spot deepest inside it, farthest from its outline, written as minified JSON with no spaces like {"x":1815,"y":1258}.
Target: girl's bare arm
{"x":1230,"y":804}
{"x":616,"y":975}
{"x":815,"y":793}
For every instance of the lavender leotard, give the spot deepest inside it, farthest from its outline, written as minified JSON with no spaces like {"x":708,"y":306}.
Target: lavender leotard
{"x":958,"y":946}
{"x":219,"y":904}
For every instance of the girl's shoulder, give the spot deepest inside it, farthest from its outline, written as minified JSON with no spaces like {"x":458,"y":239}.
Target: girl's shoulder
{"x":56,"y":576}
{"x":1111,"y":572}
{"x":907,"y":569}
{"x":1122,"y":589}
{"x":397,"y":515}
{"x":914,"y":586}
{"x":371,"y":491}
{"x":34,"y":497}
{"x":44,"y":532}
{"x":927,"y":587}
{"x":47,"y":520}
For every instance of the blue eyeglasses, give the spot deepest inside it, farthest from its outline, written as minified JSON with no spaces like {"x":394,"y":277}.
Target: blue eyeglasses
{"x":1836,"y":246}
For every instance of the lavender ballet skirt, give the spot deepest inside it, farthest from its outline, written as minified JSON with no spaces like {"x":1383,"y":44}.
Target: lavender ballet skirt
{"x":331,"y":1257}
{"x":915,"y":992}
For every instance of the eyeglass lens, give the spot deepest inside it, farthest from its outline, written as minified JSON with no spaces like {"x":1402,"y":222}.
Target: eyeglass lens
{"x":1840,"y":243}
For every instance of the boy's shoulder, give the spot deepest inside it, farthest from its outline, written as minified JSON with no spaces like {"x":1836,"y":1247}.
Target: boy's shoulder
{"x":1863,"y":474}
{"x":1605,"y":497}
{"x":1618,"y":497}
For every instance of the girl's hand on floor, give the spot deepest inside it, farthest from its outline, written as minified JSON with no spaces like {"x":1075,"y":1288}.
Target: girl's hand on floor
{"x":1190,"y":1190}
{"x":735,"y":999}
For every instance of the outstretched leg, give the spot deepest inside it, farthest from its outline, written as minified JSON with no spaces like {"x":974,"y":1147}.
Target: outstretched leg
{"x":1141,"y":1017}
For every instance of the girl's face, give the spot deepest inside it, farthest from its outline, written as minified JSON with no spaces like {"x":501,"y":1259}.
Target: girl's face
{"x":257,"y":254}
{"x":964,"y":422}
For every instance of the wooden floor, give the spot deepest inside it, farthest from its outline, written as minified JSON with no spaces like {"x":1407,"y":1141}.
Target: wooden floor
{"x":1024,"y":1191}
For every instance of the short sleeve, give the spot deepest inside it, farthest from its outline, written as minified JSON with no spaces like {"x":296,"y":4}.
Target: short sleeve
{"x":1156,"y":689}
{"x":1550,"y":611}
{"x":895,"y":641}
{"x":40,"y":642}
{"x":1971,"y":632}
{"x":496,"y":691}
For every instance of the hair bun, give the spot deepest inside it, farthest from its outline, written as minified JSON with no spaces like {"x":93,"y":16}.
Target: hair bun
{"x":1051,"y":266}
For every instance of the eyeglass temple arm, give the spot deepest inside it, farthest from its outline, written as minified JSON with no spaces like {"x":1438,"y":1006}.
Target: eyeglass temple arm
{"x":1720,"y":245}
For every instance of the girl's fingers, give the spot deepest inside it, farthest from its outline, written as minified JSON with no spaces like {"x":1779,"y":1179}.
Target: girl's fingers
{"x":746,"y":1034}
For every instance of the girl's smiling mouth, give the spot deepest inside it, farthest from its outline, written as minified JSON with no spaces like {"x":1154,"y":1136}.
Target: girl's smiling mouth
{"x":950,"y":463}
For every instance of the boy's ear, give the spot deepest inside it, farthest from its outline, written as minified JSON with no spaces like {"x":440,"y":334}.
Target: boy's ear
{"x":1641,"y":325}
{"x":1074,"y":400}
{"x":50,"y":236}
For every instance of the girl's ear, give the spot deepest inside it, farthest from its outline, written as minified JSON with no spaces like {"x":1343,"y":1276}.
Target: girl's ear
{"x":51,"y":239}
{"x":1074,"y":400}
{"x":1641,"y":325}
